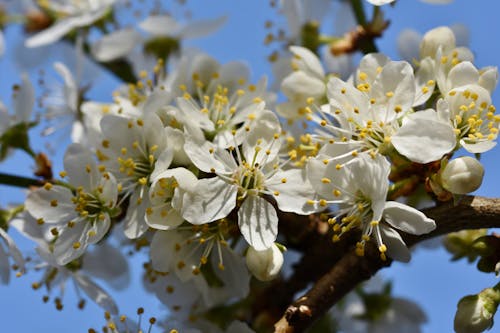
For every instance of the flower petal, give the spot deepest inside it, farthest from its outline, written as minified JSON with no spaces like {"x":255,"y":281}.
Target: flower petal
{"x":212,"y":199}
{"x":424,"y":138}
{"x":258,"y":222}
{"x":407,"y":219}
{"x":396,"y":247}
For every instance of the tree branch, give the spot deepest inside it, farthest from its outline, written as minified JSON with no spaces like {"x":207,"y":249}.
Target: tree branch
{"x":344,"y":275}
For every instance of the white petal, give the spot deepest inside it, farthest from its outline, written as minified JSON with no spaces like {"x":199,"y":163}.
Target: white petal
{"x":4,"y":266}
{"x":308,"y":61}
{"x":202,"y":28}
{"x":81,"y":167}
{"x":163,"y":217}
{"x":370,"y":65}
{"x":396,"y":247}
{"x":462,"y":74}
{"x":70,"y":86}
{"x":53,"y":206}
{"x":2,"y":44}
{"x":262,"y":134}
{"x":13,"y":250}
{"x":407,"y":219}
{"x":161,"y":25}
{"x":258,"y":222}
{"x":134,"y":223}
{"x":479,"y":147}
{"x":489,"y":78}
{"x":49,"y":35}
{"x":162,"y":250}
{"x":62,"y":27}
{"x":115,"y":45}
{"x":24,"y":100}
{"x":212,"y":199}
{"x":424,"y":140}
{"x":396,"y":77}
{"x":220,"y":161}
{"x":379,"y":2}
{"x":96,"y":293}
{"x":300,"y":86}
{"x":64,"y":249}
{"x":294,"y":192}
{"x":162,"y":163}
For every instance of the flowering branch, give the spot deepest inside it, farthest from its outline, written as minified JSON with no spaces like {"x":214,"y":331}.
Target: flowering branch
{"x":472,"y":212}
{"x":18,"y":181}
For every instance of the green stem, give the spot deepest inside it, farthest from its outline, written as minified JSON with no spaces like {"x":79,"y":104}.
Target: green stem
{"x":359,"y":12}
{"x":18,"y":181}
{"x":366,"y":45}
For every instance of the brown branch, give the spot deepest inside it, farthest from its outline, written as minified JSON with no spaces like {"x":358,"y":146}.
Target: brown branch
{"x":345,"y":274}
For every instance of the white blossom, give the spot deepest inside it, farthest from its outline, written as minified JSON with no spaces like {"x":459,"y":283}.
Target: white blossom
{"x":359,"y":188}
{"x":132,"y":149}
{"x":244,"y":179}
{"x":79,"y":211}
{"x":70,"y":15}
{"x":373,"y":114}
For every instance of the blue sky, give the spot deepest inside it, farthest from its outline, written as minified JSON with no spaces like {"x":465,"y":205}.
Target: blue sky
{"x":430,"y":279}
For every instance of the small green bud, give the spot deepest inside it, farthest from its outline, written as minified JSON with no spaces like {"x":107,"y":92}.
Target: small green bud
{"x":475,"y":312}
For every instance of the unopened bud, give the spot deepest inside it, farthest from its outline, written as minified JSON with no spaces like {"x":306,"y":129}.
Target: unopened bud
{"x":433,"y":39}
{"x":462,"y":175}
{"x":265,"y":265}
{"x":475,"y":312}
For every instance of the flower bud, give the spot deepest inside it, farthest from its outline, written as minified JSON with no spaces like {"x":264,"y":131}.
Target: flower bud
{"x":462,"y":175}
{"x":433,"y":39}
{"x":265,"y":265}
{"x":475,"y":312}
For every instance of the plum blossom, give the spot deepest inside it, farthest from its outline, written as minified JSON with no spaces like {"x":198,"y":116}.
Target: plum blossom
{"x":242,"y":179}
{"x":80,"y":211}
{"x":132,"y":149}
{"x":200,"y":254}
{"x":306,"y":83}
{"x":370,"y":116}
{"x":359,"y":188}
{"x":70,"y":15}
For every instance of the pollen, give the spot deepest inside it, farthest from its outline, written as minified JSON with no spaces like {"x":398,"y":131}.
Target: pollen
{"x":53,"y":203}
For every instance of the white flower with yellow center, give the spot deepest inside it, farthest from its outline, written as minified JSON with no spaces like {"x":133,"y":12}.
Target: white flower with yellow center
{"x":367,"y":118}
{"x":166,"y":197}
{"x":202,"y":254}
{"x":242,"y":179}
{"x":131,"y":150}
{"x":307,"y":82}
{"x":359,"y":188}
{"x":79,"y":211}
{"x":216,"y":99}
{"x":472,"y":117}
{"x":70,"y":14}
